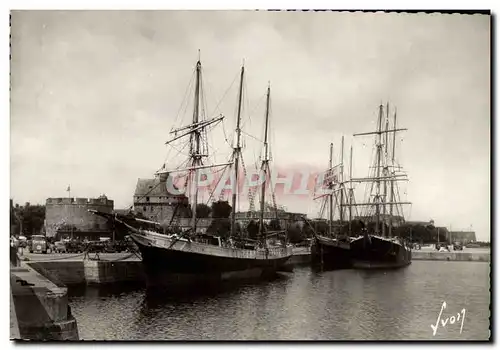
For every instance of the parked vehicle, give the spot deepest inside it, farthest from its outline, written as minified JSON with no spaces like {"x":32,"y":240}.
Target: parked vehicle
{"x":38,"y":244}
{"x":96,"y":247}
{"x":75,"y":247}
{"x":60,"y":247}
{"x":473,"y":245}
{"x":458,"y":246}
{"x":442,"y":247}
{"x":118,"y":247}
{"x":23,"y":242}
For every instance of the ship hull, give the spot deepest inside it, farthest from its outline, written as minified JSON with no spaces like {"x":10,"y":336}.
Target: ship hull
{"x":373,"y":252}
{"x":171,"y":263}
{"x":330,"y":254}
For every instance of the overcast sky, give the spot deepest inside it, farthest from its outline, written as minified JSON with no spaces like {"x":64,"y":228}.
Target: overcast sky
{"x":94,"y":95}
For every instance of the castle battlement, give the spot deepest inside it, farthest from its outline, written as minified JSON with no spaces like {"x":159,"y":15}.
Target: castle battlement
{"x":79,"y":201}
{"x":73,"y":212}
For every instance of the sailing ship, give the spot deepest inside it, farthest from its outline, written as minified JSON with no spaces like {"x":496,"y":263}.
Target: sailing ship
{"x":332,"y":250}
{"x":376,"y":246}
{"x":190,"y":256}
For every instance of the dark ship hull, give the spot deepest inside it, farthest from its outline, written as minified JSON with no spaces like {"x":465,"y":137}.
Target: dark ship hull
{"x":330,"y":253}
{"x":374,"y":252}
{"x":170,"y":262}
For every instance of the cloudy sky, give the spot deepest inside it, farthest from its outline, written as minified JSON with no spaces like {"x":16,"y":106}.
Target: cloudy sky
{"x":95,"y":94}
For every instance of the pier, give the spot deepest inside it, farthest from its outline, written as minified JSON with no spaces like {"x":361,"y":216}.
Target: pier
{"x":469,"y":255}
{"x":39,"y":308}
{"x":73,"y":269}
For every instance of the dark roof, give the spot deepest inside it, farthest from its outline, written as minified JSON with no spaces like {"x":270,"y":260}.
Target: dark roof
{"x":151,"y":187}
{"x":154,"y":187}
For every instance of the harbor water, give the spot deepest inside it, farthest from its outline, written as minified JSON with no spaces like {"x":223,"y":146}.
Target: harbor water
{"x":304,"y":305}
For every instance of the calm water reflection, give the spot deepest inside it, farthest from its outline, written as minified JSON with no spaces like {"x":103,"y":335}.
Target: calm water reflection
{"x":334,"y":305}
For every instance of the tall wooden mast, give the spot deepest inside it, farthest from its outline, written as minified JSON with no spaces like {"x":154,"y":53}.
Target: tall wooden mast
{"x":330,"y":197}
{"x":264,"y":168}
{"x":195,"y":146}
{"x":379,"y":151}
{"x":341,"y":180}
{"x":237,"y":153}
{"x":350,"y":193}
{"x":393,"y":163}
{"x":385,"y":168}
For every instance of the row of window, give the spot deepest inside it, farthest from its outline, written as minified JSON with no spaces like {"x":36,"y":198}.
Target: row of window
{"x":145,"y":209}
{"x":148,"y":198}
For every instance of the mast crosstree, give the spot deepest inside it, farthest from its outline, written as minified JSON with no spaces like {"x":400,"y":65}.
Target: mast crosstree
{"x":198,"y":149}
{"x":386,"y":175}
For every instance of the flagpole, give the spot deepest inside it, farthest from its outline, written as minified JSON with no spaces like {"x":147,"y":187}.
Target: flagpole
{"x":71,"y":202}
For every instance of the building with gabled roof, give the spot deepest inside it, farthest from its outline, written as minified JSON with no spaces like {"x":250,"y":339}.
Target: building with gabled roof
{"x":153,"y":200}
